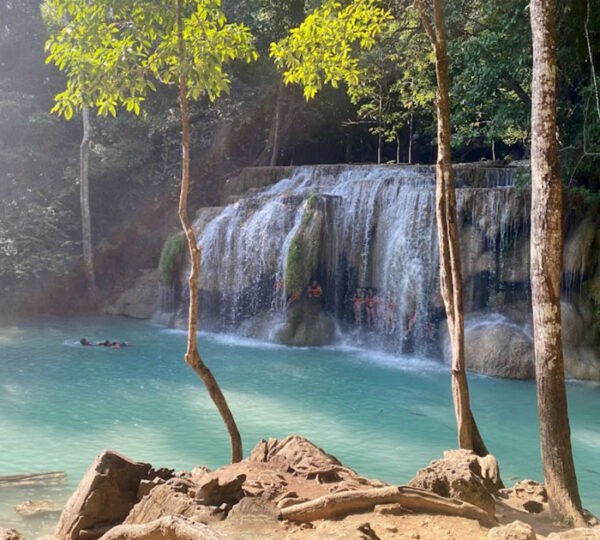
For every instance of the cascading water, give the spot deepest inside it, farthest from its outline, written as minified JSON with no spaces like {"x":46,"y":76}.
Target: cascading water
{"x":348,"y":227}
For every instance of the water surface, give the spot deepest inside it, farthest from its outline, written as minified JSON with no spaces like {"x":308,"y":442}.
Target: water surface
{"x":384,"y":416}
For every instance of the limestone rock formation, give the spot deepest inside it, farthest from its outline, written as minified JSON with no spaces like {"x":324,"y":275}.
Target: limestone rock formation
{"x":104,"y":497}
{"x":526,"y":495}
{"x":175,"y":497}
{"x":463,"y":475}
{"x":300,"y":457}
{"x":140,"y":300}
{"x":306,"y":325}
{"x":517,"y":530}
{"x":495,"y":346}
{"x":166,"y":528}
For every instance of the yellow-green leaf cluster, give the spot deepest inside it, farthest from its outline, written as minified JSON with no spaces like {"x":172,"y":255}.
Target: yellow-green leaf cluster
{"x":323,"y":49}
{"x":114,"y":51}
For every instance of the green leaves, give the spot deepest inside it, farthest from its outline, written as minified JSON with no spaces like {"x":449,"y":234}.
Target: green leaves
{"x":323,"y":49}
{"x":114,"y":50}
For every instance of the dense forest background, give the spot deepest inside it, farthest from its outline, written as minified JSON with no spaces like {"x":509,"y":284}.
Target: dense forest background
{"x":390,"y":115}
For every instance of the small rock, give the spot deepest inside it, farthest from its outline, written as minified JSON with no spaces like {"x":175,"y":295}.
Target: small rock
{"x":517,"y":530}
{"x":368,"y":532}
{"x":393,"y":509}
{"x":37,"y":508}
{"x":10,"y":534}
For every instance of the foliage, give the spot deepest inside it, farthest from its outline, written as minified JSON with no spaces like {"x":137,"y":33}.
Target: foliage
{"x":322,"y":49}
{"x":172,"y":258}
{"x":114,"y":51}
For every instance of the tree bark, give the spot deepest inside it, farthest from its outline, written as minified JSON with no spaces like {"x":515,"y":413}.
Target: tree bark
{"x":84,"y":200}
{"x":546,"y":270}
{"x":410,"y":139}
{"x":450,"y":273}
{"x":192,"y":356}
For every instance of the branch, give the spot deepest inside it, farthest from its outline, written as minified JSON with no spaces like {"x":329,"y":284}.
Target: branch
{"x":425,"y":21}
{"x":413,"y":499}
{"x":589,"y":47}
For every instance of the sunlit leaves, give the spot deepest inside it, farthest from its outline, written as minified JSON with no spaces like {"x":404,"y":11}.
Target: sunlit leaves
{"x":115,"y":50}
{"x":323,"y":49}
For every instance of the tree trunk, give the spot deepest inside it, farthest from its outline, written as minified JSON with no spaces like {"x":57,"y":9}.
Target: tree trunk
{"x":450,"y":273}
{"x":410,"y":141}
{"x":192,"y":356}
{"x":84,"y":199}
{"x":546,"y":269}
{"x":379,"y":125}
{"x":276,"y":127}
{"x":397,"y":148}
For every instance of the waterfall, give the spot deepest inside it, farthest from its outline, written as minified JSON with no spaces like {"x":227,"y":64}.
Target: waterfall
{"x":371,"y":228}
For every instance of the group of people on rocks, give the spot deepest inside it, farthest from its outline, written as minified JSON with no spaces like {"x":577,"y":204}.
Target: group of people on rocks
{"x":106,"y":343}
{"x":375,"y":309}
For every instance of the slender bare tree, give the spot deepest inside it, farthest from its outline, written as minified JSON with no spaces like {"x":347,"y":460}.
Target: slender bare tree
{"x":450,"y":273}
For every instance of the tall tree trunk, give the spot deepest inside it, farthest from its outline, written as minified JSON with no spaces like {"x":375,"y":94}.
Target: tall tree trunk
{"x":379,"y":125}
{"x":397,"y":148}
{"x":192,"y":356}
{"x":410,"y":139}
{"x":84,"y":200}
{"x":276,"y":127}
{"x":546,"y":270}
{"x":450,"y":274}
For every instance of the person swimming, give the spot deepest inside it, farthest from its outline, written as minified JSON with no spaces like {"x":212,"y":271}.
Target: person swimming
{"x":85,"y":342}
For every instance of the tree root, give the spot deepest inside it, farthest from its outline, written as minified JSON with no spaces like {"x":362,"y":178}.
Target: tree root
{"x":414,"y":499}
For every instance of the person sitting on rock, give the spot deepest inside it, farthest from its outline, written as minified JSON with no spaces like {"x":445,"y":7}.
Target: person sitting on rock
{"x":293,"y":297}
{"x":315,"y":290}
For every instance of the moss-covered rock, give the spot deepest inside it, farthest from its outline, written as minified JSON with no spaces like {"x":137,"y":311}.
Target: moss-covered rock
{"x":172,"y":258}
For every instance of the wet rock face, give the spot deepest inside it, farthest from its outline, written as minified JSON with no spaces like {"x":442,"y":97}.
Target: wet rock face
{"x":307,"y":325}
{"x":104,"y":497}
{"x":463,"y":475}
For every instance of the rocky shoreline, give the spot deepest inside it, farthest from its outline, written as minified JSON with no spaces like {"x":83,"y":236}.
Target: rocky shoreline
{"x":291,"y":488}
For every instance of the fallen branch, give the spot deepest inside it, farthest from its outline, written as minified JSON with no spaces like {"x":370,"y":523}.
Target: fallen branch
{"x":414,"y":499}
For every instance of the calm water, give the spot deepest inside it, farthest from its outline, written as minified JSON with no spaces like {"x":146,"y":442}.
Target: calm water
{"x":385,"y":416}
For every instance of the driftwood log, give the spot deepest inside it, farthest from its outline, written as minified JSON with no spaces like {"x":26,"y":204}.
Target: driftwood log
{"x":33,"y":479}
{"x":413,"y":499}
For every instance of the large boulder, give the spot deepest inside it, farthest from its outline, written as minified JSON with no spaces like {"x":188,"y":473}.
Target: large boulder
{"x":306,"y":325}
{"x":298,"y":456}
{"x":464,"y":475}
{"x":166,"y":528}
{"x":495,"y":346}
{"x":106,"y":494}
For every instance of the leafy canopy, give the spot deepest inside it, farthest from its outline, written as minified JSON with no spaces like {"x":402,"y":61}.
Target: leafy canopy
{"x":115,"y":50}
{"x":322,"y":50}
